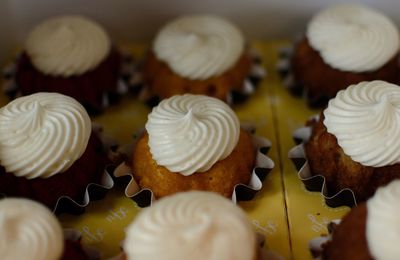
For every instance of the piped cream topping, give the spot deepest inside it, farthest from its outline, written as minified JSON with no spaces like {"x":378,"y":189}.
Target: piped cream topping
{"x":190,"y":133}
{"x":365,"y":119}
{"x":383,"y":225}
{"x":42,"y":134}
{"x":199,"y":47}
{"x":67,"y":46}
{"x":191,"y":225}
{"x":353,"y":37}
{"x":29,"y":231}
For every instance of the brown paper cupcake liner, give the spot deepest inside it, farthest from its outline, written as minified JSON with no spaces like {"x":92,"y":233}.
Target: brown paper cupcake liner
{"x":94,"y":191}
{"x":283,"y":67}
{"x":11,"y":88}
{"x":256,"y":74}
{"x":316,"y":245}
{"x":242,"y":192}
{"x":74,"y":235}
{"x":344,"y":197}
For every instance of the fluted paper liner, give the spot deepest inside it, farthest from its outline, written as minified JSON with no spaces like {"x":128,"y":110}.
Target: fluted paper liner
{"x":344,"y":197}
{"x":242,"y":192}
{"x":250,"y":83}
{"x":94,"y":191}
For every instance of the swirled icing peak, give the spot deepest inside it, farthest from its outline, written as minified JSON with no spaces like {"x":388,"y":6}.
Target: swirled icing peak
{"x":67,"y":46}
{"x":29,"y":231}
{"x":42,"y":134}
{"x":199,"y":47}
{"x":192,"y":225}
{"x":383,"y":225}
{"x":353,"y":37}
{"x":365,"y":119}
{"x":189,"y":133}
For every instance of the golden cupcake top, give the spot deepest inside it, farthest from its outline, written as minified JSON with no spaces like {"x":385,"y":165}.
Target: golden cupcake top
{"x":191,"y":225}
{"x":42,"y":134}
{"x":353,"y":37}
{"x":189,"y":133}
{"x":67,"y":45}
{"x":198,"y":47}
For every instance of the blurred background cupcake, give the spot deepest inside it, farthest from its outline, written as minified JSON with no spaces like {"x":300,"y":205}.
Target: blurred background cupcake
{"x":344,"y":44}
{"x":191,"y":225}
{"x":200,"y":54}
{"x":48,"y":149}
{"x":30,"y":231}
{"x":72,"y":55}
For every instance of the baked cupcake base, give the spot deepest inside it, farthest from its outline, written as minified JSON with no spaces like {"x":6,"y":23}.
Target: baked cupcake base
{"x":238,"y":94}
{"x":111,"y":77}
{"x":242,"y":192}
{"x":71,"y":199}
{"x":297,"y":154}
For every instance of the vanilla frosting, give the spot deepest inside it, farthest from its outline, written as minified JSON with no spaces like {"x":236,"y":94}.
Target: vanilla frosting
{"x":191,"y":225}
{"x":199,"y":47}
{"x":383,"y":225}
{"x":352,"y":37}
{"x":42,"y":134}
{"x":67,"y":46}
{"x":365,"y":119}
{"x":29,"y":231}
{"x":189,"y":133}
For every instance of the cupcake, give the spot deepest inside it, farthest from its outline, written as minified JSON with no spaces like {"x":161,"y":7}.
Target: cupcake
{"x":369,"y":231}
{"x":193,"y":142}
{"x":30,"y":231}
{"x":191,"y":225}
{"x":199,"y":54}
{"x":355,"y":142}
{"x":48,"y":149}
{"x":71,"y":55}
{"x":345,"y":44}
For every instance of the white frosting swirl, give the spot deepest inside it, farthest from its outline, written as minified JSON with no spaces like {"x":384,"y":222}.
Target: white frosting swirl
{"x":192,"y":225}
{"x":42,"y":134}
{"x":189,"y":133}
{"x":67,"y":46}
{"x":29,"y":231}
{"x":199,"y":47}
{"x":383,"y":225}
{"x":365,"y":119}
{"x":352,"y":37}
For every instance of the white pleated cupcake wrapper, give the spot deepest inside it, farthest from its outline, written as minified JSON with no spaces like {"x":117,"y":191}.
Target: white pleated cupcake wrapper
{"x":283,"y":67}
{"x":11,"y":89}
{"x":74,"y":235}
{"x":297,"y":154}
{"x":263,"y":253}
{"x":94,"y":191}
{"x":256,"y":74}
{"x":316,"y":245}
{"x":242,"y":192}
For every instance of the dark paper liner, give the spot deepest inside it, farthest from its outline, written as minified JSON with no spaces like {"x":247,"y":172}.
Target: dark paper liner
{"x":256,"y":74}
{"x":283,"y":67}
{"x":74,"y":235}
{"x":316,"y":245}
{"x":11,"y":89}
{"x":262,"y":253}
{"x":94,"y":191}
{"x":297,"y":154}
{"x":242,"y":192}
